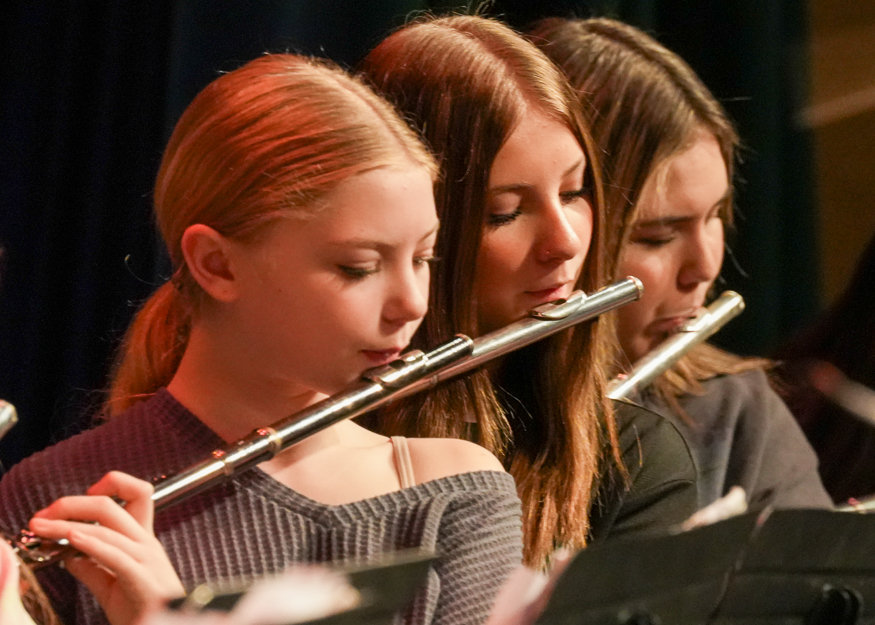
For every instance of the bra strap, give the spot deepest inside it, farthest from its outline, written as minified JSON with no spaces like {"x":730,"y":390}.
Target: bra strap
{"x":403,"y":462}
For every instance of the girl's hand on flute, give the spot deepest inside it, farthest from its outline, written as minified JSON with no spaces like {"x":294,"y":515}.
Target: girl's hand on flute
{"x":120,"y":559}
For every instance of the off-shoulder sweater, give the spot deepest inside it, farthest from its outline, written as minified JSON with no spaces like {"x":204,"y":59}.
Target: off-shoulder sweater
{"x":253,"y":525}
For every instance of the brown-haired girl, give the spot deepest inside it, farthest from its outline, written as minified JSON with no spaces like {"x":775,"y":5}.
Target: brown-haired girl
{"x":520,"y":202}
{"x":298,"y":211}
{"x":668,"y":151}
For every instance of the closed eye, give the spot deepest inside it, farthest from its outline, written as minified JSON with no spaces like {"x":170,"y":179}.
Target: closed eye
{"x":426,"y":260}
{"x":502,"y":219}
{"x":357,"y":273}
{"x":654,"y":236}
{"x":653,"y":242}
{"x":583,"y":192}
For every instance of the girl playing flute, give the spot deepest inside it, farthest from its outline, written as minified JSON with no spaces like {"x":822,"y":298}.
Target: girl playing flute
{"x":668,"y":154}
{"x":521,"y":208}
{"x":298,"y":212}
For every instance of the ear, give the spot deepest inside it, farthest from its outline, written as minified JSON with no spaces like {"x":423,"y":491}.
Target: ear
{"x":208,"y":256}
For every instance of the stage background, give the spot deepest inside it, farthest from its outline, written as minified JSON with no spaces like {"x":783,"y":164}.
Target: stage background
{"x":92,"y":89}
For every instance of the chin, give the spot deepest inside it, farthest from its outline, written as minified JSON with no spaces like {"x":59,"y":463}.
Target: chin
{"x":339,"y":385}
{"x":634,"y":353}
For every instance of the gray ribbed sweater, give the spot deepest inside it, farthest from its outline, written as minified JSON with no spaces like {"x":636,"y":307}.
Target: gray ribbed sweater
{"x":741,"y":434}
{"x":253,"y":525}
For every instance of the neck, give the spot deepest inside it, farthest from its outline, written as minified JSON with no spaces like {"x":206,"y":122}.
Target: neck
{"x":232,"y":396}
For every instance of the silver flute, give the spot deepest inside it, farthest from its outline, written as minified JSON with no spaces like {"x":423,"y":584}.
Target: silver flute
{"x":693,"y":332}
{"x":413,"y":372}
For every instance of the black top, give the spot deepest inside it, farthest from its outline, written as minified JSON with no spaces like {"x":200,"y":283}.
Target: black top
{"x":661,"y":489}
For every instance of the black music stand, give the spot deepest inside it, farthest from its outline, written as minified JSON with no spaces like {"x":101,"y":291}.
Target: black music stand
{"x":385,"y":589}
{"x":811,"y":567}
{"x":674,"y":579}
{"x":799,"y":567}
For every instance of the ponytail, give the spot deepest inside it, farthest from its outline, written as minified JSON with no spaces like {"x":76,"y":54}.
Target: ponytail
{"x":152,"y":349}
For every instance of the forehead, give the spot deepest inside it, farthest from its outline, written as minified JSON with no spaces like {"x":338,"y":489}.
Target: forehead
{"x":385,"y":200}
{"x":693,"y":181}
{"x":536,"y":141}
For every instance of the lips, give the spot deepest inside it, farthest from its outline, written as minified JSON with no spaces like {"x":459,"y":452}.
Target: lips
{"x":670,"y":324}
{"x":382,"y":356}
{"x":553,"y":292}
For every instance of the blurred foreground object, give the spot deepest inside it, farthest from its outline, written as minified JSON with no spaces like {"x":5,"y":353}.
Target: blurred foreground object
{"x":12,"y":611}
{"x":8,"y":417}
{"x":365,"y":595}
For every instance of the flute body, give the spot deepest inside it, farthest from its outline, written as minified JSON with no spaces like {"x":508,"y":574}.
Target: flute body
{"x":695,"y":331}
{"x":413,"y":372}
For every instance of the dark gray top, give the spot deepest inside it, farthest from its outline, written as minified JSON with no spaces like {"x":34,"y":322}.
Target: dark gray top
{"x":253,"y":525}
{"x":741,"y":433}
{"x":659,"y":491}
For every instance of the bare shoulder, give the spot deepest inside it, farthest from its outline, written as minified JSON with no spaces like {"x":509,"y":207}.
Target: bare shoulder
{"x":434,"y":458}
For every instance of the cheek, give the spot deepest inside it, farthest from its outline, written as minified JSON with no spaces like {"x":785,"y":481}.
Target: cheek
{"x":644,"y":266}
{"x":655,"y":273}
{"x":497,"y":258}
{"x":716,"y":241}
{"x":583,"y":227}
{"x":323,"y":302}
{"x":632,"y":320}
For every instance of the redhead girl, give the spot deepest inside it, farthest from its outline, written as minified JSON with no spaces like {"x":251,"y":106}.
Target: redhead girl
{"x":298,"y":212}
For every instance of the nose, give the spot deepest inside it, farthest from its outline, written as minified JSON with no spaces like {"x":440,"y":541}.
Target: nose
{"x":407,"y":298}
{"x":704,"y":257}
{"x":558,"y":241}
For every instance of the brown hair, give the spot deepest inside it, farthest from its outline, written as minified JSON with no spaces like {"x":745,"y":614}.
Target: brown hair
{"x":272,"y":137}
{"x":645,"y":105}
{"x":34,"y":599}
{"x":465,"y":82}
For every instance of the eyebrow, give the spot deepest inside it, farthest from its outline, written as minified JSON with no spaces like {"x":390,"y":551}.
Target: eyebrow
{"x":670,"y":221}
{"x":371,"y":244}
{"x":517,"y":187}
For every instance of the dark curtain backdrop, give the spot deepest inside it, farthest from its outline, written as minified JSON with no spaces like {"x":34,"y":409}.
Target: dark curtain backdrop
{"x":91,"y":91}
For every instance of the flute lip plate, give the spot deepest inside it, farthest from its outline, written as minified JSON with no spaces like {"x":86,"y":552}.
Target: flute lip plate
{"x":556,"y":310}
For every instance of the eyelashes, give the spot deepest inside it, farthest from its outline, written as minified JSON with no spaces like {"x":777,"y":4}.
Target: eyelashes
{"x":430,"y":260}
{"x":653,"y":242}
{"x":583,"y":192}
{"x":355,"y":274}
{"x":567,"y":197}
{"x":502,"y":219}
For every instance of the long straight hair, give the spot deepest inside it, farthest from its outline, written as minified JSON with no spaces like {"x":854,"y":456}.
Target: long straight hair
{"x":466,"y":82}
{"x":271,"y":138}
{"x":644,"y":105}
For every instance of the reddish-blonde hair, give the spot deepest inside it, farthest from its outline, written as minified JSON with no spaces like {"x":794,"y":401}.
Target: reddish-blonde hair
{"x":465,"y":82}
{"x":272,"y":137}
